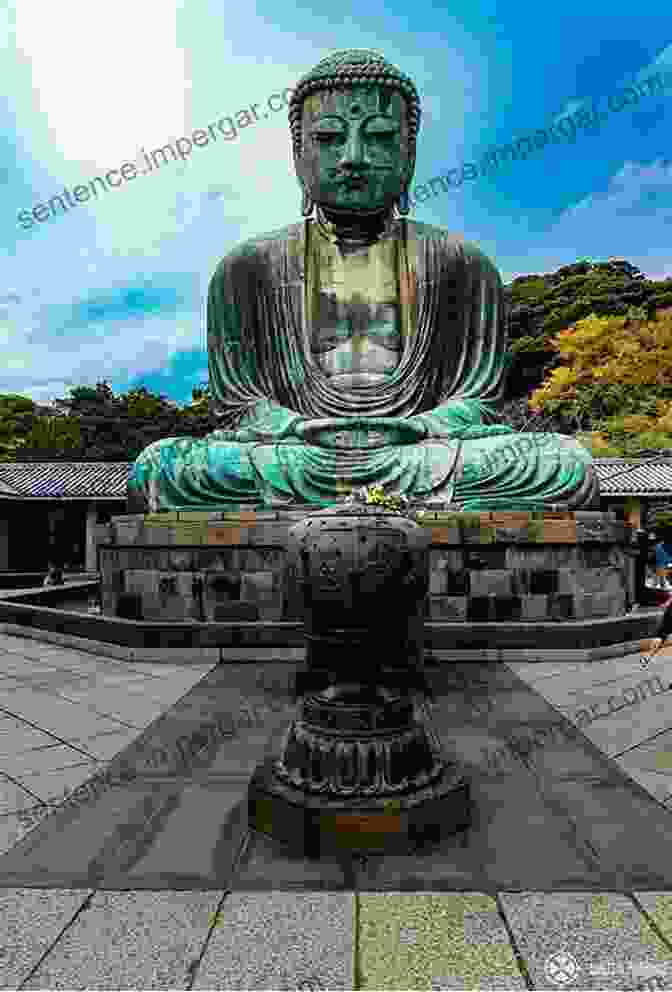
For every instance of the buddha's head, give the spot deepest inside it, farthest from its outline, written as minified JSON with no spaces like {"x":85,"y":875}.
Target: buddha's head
{"x":354,"y":120}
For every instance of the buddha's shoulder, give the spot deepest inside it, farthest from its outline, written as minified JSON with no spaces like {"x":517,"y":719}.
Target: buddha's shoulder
{"x":450,"y":241}
{"x":261,"y":245}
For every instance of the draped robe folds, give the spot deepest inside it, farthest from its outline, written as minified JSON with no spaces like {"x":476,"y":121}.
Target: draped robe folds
{"x":429,"y":430}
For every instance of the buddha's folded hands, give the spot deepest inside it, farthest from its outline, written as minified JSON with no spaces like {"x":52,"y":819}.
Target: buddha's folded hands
{"x":455,"y":419}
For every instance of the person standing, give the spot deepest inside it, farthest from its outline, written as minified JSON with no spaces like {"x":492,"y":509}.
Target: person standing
{"x":663,"y":558}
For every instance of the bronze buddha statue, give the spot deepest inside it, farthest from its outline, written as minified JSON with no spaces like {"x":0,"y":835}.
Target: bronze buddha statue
{"x":358,"y":347}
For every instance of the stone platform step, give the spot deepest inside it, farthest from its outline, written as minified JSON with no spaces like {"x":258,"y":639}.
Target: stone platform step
{"x":193,"y":642}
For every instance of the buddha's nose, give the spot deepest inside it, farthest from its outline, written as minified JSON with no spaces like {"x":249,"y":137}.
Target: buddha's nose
{"x":353,"y":153}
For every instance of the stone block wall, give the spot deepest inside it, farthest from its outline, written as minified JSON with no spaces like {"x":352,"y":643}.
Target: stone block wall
{"x":483,"y":567}
{"x":165,"y":579}
{"x":572,"y":582}
{"x":520,"y":566}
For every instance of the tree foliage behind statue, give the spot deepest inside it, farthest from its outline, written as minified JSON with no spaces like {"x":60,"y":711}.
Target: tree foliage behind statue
{"x":616,"y":375}
{"x":540,"y":307}
{"x":93,"y":424}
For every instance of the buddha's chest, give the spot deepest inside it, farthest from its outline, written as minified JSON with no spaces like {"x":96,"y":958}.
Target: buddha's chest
{"x":355,"y":332}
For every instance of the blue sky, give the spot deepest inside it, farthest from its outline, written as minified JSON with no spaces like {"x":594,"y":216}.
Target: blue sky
{"x":114,"y":288}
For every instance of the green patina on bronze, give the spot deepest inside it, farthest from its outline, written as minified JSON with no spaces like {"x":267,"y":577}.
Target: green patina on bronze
{"x":358,"y":347}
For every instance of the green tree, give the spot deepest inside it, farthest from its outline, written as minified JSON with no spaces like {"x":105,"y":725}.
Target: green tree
{"x":51,"y":439}
{"x":201,"y":394}
{"x":615,"y":380}
{"x":17,"y":415}
{"x":541,"y":306}
{"x":140,"y":403}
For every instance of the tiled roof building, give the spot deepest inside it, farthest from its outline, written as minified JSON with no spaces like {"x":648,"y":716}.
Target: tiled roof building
{"x":625,"y":477}
{"x":64,"y":480}
{"x":49,"y":511}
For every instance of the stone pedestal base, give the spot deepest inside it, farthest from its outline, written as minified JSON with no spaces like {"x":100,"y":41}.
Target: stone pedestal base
{"x":356,"y":773}
{"x":314,"y":826}
{"x":187,"y":565}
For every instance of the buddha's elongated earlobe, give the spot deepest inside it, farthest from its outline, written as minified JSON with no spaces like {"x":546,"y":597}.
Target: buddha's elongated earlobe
{"x":307,"y":204}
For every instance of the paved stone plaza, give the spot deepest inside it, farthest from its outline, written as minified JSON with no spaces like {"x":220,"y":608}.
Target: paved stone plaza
{"x":120,"y":887}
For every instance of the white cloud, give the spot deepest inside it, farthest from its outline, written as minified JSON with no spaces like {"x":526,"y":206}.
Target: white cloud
{"x":635,"y":210}
{"x":109,"y":81}
{"x":97,"y":351}
{"x":638,"y":190}
{"x":179,"y":221}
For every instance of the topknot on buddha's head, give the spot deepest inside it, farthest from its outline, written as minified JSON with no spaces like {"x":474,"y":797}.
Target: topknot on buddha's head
{"x":353,"y":67}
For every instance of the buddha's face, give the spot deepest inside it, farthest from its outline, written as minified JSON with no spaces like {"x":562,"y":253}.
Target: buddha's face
{"x":355,"y":148}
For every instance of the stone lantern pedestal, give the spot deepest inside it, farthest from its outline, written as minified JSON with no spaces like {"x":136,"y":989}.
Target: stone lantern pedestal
{"x":356,"y":771}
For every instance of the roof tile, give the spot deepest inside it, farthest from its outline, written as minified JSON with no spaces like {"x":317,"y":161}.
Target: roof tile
{"x":625,"y":477}
{"x":64,"y":479}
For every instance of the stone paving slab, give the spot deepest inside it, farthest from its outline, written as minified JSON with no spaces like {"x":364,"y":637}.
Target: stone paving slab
{"x":103,"y":651}
{"x":33,"y":920}
{"x":56,"y":715}
{"x":651,"y":681}
{"x":30,"y":793}
{"x":575,"y":777}
{"x":423,"y":941}
{"x":629,"y":831}
{"x":214,"y":818}
{"x":214,"y":775}
{"x":650,"y":764}
{"x":615,"y":734}
{"x":39,"y":761}
{"x":125,"y":709}
{"x":612,"y":675}
{"x":48,"y":682}
{"x":266,"y":866}
{"x":112,"y":940}
{"x":53,"y":785}
{"x":16,"y":737}
{"x":636,"y":731}
{"x":13,"y":796}
{"x":94,"y":656}
{"x":16,"y":667}
{"x":571,"y":678}
{"x":82,"y":839}
{"x":100,"y":950}
{"x":594,"y":684}
{"x":502,"y":849}
{"x":103,"y":747}
{"x":611,"y":943}
{"x":281,"y":941}
{"x":41,"y":652}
